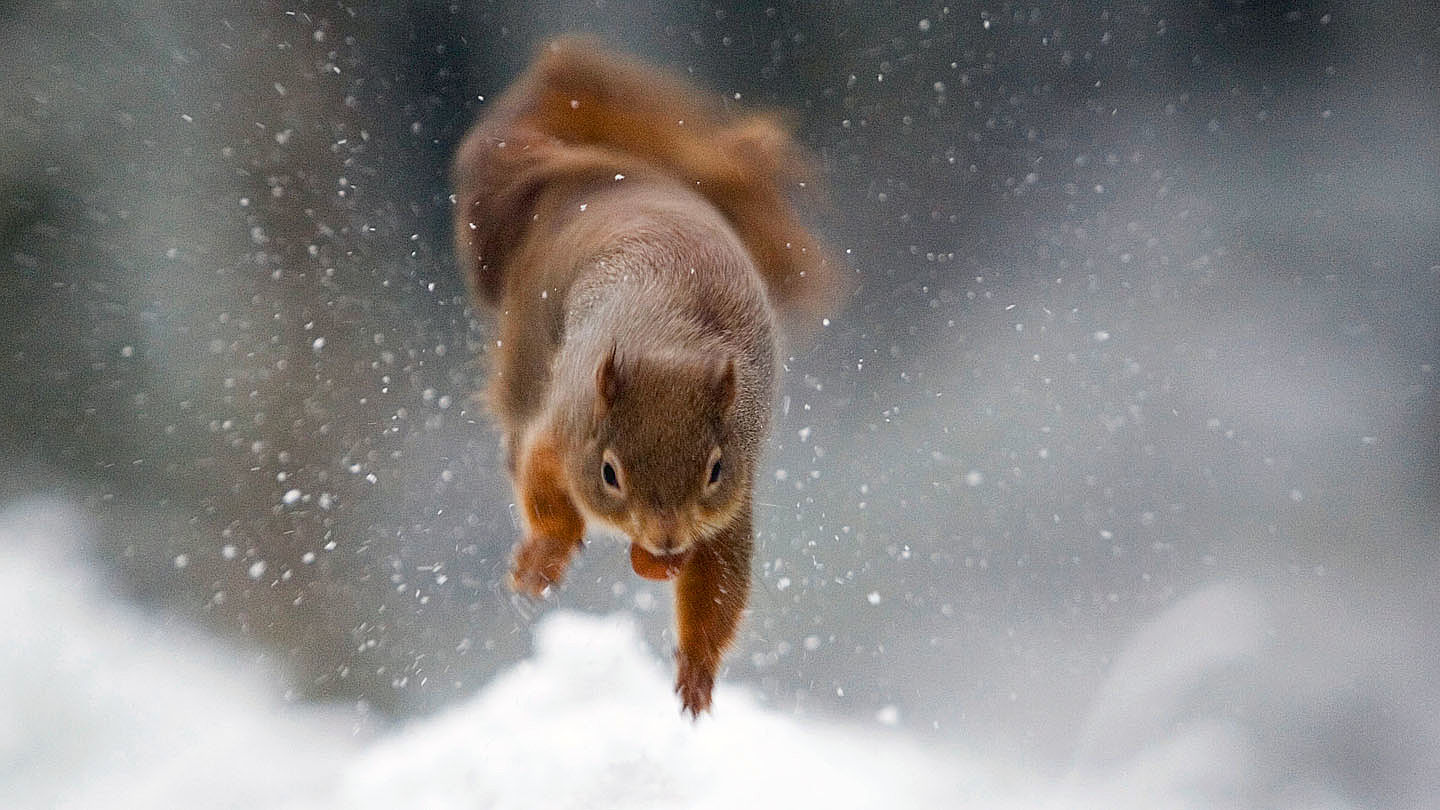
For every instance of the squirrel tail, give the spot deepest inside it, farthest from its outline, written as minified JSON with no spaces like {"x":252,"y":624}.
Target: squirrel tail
{"x":580,"y":110}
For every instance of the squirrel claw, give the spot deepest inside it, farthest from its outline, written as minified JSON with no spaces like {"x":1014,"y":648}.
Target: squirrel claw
{"x":536,"y":568}
{"x":693,"y":683}
{"x":532,"y":585}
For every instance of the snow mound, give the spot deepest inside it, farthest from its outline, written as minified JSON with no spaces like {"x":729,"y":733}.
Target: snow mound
{"x":590,"y":722}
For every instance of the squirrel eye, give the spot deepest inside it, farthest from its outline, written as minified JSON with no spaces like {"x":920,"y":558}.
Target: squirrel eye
{"x":715,"y":470}
{"x":608,"y":473}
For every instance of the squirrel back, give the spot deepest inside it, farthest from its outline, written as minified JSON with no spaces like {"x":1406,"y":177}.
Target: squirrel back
{"x":581,"y":115}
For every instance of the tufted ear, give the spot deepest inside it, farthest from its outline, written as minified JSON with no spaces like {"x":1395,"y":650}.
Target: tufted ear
{"x":609,"y":379}
{"x":722,"y":383}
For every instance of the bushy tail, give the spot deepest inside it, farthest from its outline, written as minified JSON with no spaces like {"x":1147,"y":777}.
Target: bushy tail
{"x":580,"y":111}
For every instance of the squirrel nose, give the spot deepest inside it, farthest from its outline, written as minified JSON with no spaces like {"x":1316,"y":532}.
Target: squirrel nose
{"x":666,"y":531}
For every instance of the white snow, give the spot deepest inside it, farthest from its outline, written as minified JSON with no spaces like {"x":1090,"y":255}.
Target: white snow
{"x":106,"y":705}
{"x":591,"y":723}
{"x":103,"y":705}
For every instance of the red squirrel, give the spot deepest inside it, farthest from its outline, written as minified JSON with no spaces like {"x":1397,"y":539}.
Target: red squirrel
{"x":639,"y":249}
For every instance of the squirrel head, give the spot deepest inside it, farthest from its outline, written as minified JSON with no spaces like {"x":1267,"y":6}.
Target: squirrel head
{"x":666,"y":461}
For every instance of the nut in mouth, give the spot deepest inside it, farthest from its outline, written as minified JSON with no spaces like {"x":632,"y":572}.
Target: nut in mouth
{"x":657,"y":566}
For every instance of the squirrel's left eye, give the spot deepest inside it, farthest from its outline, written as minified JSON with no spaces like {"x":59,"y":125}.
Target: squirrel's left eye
{"x":715,"y":472}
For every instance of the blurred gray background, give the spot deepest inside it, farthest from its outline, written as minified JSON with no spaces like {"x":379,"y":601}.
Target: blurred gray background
{"x":1148,"y":305}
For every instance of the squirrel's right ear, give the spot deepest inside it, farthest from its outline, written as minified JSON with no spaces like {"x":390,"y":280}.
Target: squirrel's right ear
{"x":722,"y":383}
{"x":609,"y":378}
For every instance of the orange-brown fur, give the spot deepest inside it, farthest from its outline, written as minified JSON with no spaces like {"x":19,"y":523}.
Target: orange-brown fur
{"x":639,"y":247}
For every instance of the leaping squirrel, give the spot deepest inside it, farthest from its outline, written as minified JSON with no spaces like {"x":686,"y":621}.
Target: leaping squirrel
{"x":639,"y":248}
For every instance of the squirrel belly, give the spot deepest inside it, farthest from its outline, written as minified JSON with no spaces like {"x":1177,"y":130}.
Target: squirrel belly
{"x":640,"y":252}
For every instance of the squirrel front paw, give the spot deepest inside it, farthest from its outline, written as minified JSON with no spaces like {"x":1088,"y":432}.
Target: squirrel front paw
{"x":693,"y":683}
{"x":538,"y":563}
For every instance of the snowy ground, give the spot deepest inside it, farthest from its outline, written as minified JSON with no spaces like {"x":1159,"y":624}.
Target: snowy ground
{"x":102,"y":705}
{"x":105,"y":705}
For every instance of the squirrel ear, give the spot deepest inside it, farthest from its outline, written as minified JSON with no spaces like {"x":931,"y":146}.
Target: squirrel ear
{"x":723,"y":382}
{"x":608,"y":378}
